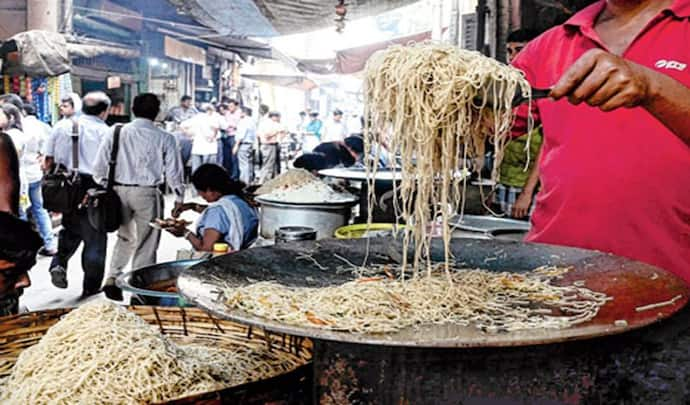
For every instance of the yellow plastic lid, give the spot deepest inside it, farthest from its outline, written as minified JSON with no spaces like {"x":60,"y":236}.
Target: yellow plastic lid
{"x":221,"y":248}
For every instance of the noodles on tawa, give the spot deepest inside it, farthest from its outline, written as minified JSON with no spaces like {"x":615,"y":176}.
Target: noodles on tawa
{"x":434,"y":106}
{"x":429,"y":103}
{"x":101,"y":353}
{"x":384,"y":302}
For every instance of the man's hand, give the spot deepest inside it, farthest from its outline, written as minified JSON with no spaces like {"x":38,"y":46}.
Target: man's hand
{"x":606,"y":81}
{"x":235,"y":148}
{"x":47,"y":164}
{"x":522,"y":205}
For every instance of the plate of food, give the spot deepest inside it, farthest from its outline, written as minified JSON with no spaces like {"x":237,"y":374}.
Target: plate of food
{"x":170,"y":223}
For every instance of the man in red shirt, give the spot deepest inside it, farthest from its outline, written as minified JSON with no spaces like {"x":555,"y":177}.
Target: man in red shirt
{"x":615,"y":168}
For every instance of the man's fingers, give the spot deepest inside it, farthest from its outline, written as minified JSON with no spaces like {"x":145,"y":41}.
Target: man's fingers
{"x":622,"y":99}
{"x":576,"y":74}
{"x":604,"y":94}
{"x":588,"y":87}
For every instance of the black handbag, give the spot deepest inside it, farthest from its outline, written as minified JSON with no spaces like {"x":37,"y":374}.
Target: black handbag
{"x":61,"y":187}
{"x":103,"y":205}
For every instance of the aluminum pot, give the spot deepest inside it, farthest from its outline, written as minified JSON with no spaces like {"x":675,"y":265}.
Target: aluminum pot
{"x":295,"y":234}
{"x":153,"y":285}
{"x":323,"y":218}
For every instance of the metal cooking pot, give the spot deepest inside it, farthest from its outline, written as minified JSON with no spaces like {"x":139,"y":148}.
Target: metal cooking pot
{"x":324,"y":218}
{"x":148,"y":284}
{"x":489,"y":227}
{"x":294,"y":234}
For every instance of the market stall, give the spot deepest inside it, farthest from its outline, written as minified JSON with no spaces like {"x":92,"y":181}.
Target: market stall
{"x":36,"y":66}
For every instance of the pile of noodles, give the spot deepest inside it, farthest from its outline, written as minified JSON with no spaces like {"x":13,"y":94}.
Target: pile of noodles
{"x":101,"y":353}
{"x":293,"y":178}
{"x":384,"y":302}
{"x":435,"y":106}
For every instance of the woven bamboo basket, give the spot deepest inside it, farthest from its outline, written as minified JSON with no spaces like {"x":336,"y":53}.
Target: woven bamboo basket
{"x":184,"y":325}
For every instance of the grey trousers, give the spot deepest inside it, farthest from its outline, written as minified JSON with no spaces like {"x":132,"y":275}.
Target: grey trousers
{"x":245,"y":155}
{"x":270,"y":161}
{"x":136,"y":239}
{"x":198,"y":160}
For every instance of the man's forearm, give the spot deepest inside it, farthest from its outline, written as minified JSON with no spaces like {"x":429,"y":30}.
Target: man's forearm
{"x":669,"y":102}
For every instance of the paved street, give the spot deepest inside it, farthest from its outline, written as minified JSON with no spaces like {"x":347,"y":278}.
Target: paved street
{"x":43,"y":295}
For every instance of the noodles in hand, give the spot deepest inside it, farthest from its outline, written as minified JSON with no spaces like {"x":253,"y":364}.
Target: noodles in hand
{"x":435,"y":106}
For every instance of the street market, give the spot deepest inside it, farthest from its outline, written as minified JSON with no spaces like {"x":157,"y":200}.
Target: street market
{"x":344,"y":202}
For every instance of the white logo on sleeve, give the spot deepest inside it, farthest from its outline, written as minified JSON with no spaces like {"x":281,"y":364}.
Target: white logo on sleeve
{"x":670,"y":64}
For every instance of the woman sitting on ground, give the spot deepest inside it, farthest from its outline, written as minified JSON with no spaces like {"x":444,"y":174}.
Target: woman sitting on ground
{"x":227,"y":219}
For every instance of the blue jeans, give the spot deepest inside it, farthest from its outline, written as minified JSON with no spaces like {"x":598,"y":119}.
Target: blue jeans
{"x":229,"y":160}
{"x":40,"y":215}
{"x":185,"y":148}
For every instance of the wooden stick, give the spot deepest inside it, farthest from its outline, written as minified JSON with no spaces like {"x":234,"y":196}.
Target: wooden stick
{"x":659,"y":305}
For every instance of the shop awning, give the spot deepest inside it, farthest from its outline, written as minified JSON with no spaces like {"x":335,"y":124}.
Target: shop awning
{"x":91,"y":51}
{"x":281,"y":73}
{"x":353,"y":60}
{"x":295,"y":16}
{"x":298,"y":82}
{"x":236,"y":17}
{"x":266,"y":18}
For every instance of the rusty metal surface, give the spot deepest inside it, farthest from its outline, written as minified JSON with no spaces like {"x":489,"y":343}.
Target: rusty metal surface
{"x":648,"y":366}
{"x":631,"y":284}
{"x":293,"y":388}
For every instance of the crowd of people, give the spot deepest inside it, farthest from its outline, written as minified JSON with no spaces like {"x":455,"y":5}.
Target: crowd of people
{"x":147,"y":162}
{"x":219,"y":148}
{"x":254,"y":148}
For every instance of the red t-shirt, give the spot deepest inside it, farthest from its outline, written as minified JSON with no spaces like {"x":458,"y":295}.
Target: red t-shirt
{"x":616,"y":182}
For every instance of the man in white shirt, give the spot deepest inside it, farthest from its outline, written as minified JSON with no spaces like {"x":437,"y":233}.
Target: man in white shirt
{"x":37,"y":133}
{"x":271,"y":132}
{"x":183,"y":112}
{"x":205,"y":128}
{"x":147,"y":157}
{"x":335,"y":130}
{"x":245,"y":137}
{"x":177,"y":115}
{"x":76,"y":227}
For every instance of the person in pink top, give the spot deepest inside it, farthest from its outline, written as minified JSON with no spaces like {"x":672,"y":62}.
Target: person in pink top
{"x":615,"y":166}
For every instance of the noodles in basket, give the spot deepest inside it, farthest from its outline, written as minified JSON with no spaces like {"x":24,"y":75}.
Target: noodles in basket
{"x":101,"y":353}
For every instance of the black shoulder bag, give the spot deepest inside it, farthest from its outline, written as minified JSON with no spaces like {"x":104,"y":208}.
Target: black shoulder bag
{"x":61,"y":187}
{"x":103,"y":206}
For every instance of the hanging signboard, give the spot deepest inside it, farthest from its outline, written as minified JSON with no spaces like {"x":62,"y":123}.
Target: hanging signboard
{"x":114,"y":82}
{"x":469,"y":31}
{"x":185,"y":52}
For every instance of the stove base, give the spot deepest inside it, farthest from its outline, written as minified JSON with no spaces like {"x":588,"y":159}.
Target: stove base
{"x":651,"y":366}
